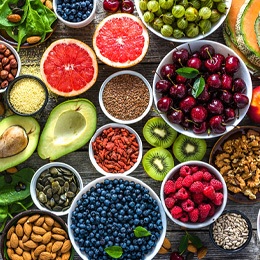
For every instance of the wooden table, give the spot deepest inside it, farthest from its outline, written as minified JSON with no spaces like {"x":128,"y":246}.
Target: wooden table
{"x":158,"y":48}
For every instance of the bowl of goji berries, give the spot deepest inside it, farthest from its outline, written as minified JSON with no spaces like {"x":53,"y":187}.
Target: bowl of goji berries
{"x":115,"y":149}
{"x":193,"y":194}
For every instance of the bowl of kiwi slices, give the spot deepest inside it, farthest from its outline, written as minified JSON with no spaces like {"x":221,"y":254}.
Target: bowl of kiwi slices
{"x":193,"y":194}
{"x":202,"y":89}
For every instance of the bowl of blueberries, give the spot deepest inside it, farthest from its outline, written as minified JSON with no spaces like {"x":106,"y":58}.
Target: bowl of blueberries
{"x":119,"y":217}
{"x":202,"y":89}
{"x":75,"y":14}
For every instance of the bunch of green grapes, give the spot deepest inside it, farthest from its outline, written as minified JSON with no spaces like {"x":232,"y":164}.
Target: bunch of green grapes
{"x":182,"y":18}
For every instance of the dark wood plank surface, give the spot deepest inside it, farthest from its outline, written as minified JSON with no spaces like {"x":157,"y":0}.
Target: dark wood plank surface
{"x":158,"y":48}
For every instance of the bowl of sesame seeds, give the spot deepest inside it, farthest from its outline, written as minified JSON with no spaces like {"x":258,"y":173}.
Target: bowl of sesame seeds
{"x":125,"y":97}
{"x":26,"y":95}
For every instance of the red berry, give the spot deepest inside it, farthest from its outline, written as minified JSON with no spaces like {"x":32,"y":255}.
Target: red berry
{"x":218,"y":199}
{"x":187,"y":181}
{"x":187,"y":205}
{"x":204,"y":210}
{"x":209,"y":192}
{"x":184,"y":217}
{"x":198,"y":176}
{"x":169,"y":187}
{"x":197,"y":187}
{"x":185,"y":170}
{"x":178,"y":183}
{"x":176,"y":256}
{"x":198,"y":198}
{"x":217,"y":185}
{"x":182,"y":194}
{"x":169,"y":202}
{"x":207,"y":176}
{"x":194,"y":215}
{"x":176,"y":212}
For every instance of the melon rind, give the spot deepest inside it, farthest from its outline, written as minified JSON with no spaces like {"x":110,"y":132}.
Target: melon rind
{"x":257,"y":28}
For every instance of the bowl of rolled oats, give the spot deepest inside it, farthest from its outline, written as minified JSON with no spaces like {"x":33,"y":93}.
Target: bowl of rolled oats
{"x":236,"y":156}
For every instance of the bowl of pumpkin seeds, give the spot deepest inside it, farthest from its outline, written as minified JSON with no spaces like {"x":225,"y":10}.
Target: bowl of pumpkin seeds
{"x":54,"y":187}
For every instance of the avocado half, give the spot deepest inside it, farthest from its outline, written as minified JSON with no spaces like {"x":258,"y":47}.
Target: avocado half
{"x":69,"y":126}
{"x":32,"y":129}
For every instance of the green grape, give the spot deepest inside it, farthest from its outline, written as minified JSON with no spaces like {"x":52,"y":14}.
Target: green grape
{"x":159,"y":12}
{"x":143,"y":5}
{"x":168,"y":18}
{"x":153,"y":6}
{"x":191,"y":14}
{"x":195,"y":4}
{"x":177,"y":33}
{"x":207,"y":3}
{"x":178,"y":11}
{"x":204,"y":12}
{"x":184,"y":3}
{"x":167,"y":30}
{"x":205,"y":26}
{"x":192,"y":30}
{"x":148,"y":16}
{"x":222,"y":7}
{"x":166,"y":4}
{"x":182,"y":23}
{"x":215,"y":15}
{"x":157,"y":23}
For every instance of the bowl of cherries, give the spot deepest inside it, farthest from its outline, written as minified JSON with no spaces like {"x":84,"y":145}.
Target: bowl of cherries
{"x":202,"y":89}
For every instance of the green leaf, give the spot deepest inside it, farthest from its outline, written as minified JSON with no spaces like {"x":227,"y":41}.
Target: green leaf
{"x":183,"y":244}
{"x":198,"y":87}
{"x":188,"y":73}
{"x":195,"y":240}
{"x":114,"y":251}
{"x":141,"y":232}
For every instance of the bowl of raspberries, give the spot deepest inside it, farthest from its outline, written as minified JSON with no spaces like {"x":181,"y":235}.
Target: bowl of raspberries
{"x":193,"y":194}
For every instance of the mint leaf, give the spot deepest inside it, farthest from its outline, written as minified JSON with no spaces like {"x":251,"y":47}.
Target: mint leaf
{"x":195,"y":240}
{"x":114,"y":251}
{"x":188,"y":73}
{"x":141,"y":232}
{"x":183,"y":244}
{"x":198,"y":87}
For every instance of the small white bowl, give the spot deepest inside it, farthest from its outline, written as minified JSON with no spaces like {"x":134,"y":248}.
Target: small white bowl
{"x":80,"y":24}
{"x":114,"y":125}
{"x":218,"y":210}
{"x":242,"y":73}
{"x":34,"y":183}
{"x":119,"y":73}
{"x":92,"y":184}
{"x":17,"y":57}
{"x":214,"y":27}
{"x":258,"y":225}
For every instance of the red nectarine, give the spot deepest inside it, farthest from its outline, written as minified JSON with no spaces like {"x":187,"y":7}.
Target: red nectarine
{"x":254,"y":108}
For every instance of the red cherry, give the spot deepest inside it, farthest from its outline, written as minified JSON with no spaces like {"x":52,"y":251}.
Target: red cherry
{"x":198,"y":114}
{"x":176,"y":256}
{"x":164,"y":104}
{"x":127,"y":6}
{"x":187,"y":104}
{"x":111,"y":5}
{"x":232,"y":64}
{"x":217,"y":125}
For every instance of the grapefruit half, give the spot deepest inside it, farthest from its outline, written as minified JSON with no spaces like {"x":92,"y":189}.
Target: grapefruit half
{"x":69,"y":67}
{"x":121,"y":40}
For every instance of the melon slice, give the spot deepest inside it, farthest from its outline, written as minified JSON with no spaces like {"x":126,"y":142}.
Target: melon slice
{"x":257,"y":28}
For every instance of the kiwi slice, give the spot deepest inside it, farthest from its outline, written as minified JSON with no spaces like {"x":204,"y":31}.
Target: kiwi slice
{"x":157,"y":162}
{"x":158,"y":133}
{"x":187,"y":148}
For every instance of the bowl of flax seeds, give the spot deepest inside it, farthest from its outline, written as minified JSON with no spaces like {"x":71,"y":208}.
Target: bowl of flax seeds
{"x":125,"y":97}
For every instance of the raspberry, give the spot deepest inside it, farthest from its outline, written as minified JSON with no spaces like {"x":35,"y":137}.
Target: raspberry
{"x":196,"y":187}
{"x":194,"y":215}
{"x":204,"y":210}
{"x":187,"y":181}
{"x":212,"y":210}
{"x":217,"y":185}
{"x":176,"y":212}
{"x":197,"y":176}
{"x":218,"y":199}
{"x":169,"y":202}
{"x":178,"y":183}
{"x":169,"y":187}
{"x":185,"y":170}
{"x":209,"y":192}
{"x":184,"y":217}
{"x":203,"y":169}
{"x":207,"y":176}
{"x":198,"y":198}
{"x":182,"y":194}
{"x":187,"y":205}
{"x":194,"y":168}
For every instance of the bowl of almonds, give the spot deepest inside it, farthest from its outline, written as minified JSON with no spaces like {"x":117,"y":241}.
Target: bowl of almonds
{"x":36,"y":234}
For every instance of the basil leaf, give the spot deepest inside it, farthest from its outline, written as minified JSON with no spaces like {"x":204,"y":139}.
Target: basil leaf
{"x":195,"y":240}
{"x":188,"y":73}
{"x":114,"y":251}
{"x":183,"y":244}
{"x":198,"y":87}
{"x":141,"y":232}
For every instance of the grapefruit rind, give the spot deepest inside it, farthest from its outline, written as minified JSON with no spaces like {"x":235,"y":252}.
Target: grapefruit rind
{"x":69,"y":67}
{"x":121,"y":40}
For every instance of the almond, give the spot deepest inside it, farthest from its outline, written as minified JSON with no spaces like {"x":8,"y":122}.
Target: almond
{"x":57,"y":224}
{"x":49,"y":247}
{"x":25,"y":238}
{"x":10,"y":252}
{"x":191,"y":248}
{"x":39,"y":249}
{"x":8,"y":244}
{"x":39,"y":230}
{"x":202,"y":252}
{"x":49,"y":220}
{"x":33,"y":39}
{"x":66,"y":246}
{"x":59,"y":231}
{"x":65,"y":256}
{"x":46,"y":227}
{"x":46,"y":238}
{"x":16,"y":257}
{"x":12,"y":169}
{"x":30,"y":244}
{"x":56,"y":246}
{"x":20,"y":243}
{"x":19,"y":230}
{"x":10,"y":232}
{"x":14,"y":18}
{"x":27,"y":228}
{"x":58,"y":258}
{"x":39,"y":221}
{"x":33,"y":218}
{"x":14,"y":241}
{"x":27,"y":255}
{"x":19,"y":251}
{"x":22,"y":220}
{"x":48,"y":4}
{"x":36,"y":238}
{"x":45,"y":256}
{"x":58,"y":237}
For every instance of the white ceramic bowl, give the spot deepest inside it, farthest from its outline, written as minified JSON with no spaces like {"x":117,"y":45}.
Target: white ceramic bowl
{"x":80,"y":24}
{"x":258,"y":225}
{"x":218,"y":209}
{"x":34,"y":183}
{"x":119,"y":73}
{"x":214,"y":27}
{"x":17,"y":57}
{"x":114,"y":125}
{"x":243,"y":73}
{"x":152,"y":253}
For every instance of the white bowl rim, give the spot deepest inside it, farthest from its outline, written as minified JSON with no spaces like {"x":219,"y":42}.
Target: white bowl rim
{"x":214,"y":27}
{"x":210,"y":220}
{"x":258,"y":225}
{"x":112,"y":177}
{"x":247,"y":77}
{"x":18,"y":59}
{"x":35,"y":178}
{"x":123,"y":72}
{"x":115,"y":125}
{"x":76,"y":24}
